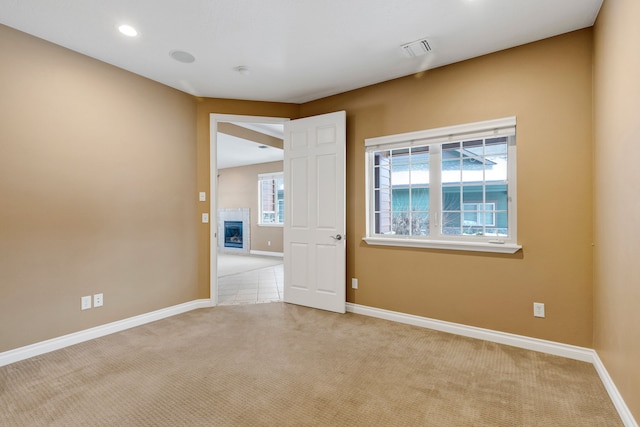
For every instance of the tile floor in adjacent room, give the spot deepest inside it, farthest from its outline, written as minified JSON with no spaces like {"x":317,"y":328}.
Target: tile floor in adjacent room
{"x":251,"y":287}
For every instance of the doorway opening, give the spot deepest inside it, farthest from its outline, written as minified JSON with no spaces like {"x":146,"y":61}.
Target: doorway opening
{"x":246,"y":240}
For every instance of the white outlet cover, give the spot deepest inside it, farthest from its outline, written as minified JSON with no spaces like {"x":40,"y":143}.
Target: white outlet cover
{"x":203,"y":196}
{"x":98,"y":300}
{"x":205,"y":218}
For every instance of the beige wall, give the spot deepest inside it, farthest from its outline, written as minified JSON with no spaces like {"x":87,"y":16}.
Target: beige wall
{"x":547,"y":85}
{"x":238,"y":188}
{"x":97,"y":192}
{"x":617,"y":209}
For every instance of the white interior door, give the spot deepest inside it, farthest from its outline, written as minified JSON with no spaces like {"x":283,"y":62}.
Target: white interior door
{"x":314,"y":230}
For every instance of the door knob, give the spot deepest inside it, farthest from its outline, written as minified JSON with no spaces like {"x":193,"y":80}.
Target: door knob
{"x":337,"y":237}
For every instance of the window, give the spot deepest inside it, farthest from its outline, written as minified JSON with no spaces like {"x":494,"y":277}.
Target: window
{"x":450,"y":188}
{"x":271,"y":198}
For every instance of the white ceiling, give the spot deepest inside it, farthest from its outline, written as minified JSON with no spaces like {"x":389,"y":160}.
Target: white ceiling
{"x":233,"y":151}
{"x":296,"y":50}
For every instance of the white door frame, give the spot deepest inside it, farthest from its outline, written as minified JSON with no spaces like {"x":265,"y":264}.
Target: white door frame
{"x":213,"y":189}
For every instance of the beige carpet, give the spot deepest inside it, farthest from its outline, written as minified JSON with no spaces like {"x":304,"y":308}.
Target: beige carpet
{"x":284,"y":365}
{"x":229,"y":264}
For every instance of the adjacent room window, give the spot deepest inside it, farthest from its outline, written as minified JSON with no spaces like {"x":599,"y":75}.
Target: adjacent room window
{"x":450,"y":188}
{"x":271,"y":198}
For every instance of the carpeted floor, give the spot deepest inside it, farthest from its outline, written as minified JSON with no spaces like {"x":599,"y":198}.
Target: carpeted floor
{"x":284,"y":365}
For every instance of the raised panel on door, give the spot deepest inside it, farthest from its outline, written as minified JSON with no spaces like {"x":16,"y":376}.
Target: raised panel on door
{"x":326,"y":203}
{"x":299,"y":276}
{"x":325,"y":254}
{"x":298,"y":183}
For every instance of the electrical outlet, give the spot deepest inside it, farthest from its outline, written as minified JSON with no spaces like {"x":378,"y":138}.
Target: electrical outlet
{"x":268,"y":242}
{"x":85,"y":302}
{"x":205,"y":218}
{"x":354,"y":283}
{"x":538,"y":309}
{"x":202,"y":196}
{"x":98,"y":300}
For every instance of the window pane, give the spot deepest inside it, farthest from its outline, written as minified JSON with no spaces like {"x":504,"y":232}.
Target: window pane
{"x":472,"y":170}
{"x":497,"y":194}
{"x":420,"y":154}
{"x":268,"y":217}
{"x":419,"y":173}
{"x":271,"y":203}
{"x":399,"y":174}
{"x":400,"y":223}
{"x":451,"y":223}
{"x":495,"y":145}
{"x":419,"y":199}
{"x":383,"y":222}
{"x":472,"y":194}
{"x":400,"y":199}
{"x":471,"y":148}
{"x":399,"y":157}
{"x":382,"y":199}
{"x":496,"y":167}
{"x":382,"y":177}
{"x":382,"y":158}
{"x":470,"y":214}
{"x":451,"y":199}
{"x":451,"y":171}
{"x":501,"y":223}
{"x":451,"y":151}
{"x":420,"y":223}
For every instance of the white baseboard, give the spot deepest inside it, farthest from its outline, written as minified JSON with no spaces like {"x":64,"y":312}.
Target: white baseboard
{"x":565,"y":350}
{"x":42,"y":347}
{"x":550,"y":347}
{"x":614,"y":394}
{"x":267,"y":253}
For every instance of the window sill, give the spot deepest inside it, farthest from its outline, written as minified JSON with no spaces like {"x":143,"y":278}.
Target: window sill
{"x":503,"y":248}
{"x":270,"y":225}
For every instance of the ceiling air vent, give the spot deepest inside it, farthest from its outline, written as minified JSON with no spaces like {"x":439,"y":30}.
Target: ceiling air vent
{"x":417,"y":48}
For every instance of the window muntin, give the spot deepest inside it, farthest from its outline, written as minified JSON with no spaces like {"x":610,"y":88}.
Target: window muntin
{"x":436,"y":185}
{"x":271,"y":199}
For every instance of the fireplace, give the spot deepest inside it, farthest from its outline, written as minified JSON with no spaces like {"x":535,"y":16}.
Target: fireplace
{"x":233,"y":234}
{"x":234,"y":230}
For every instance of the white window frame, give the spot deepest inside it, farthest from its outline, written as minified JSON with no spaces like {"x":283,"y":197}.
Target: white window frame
{"x":263,"y":177}
{"x":435,"y":138}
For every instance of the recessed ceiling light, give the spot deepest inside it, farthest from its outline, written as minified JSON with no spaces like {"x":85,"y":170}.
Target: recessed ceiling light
{"x":128,"y":30}
{"x":182,"y":56}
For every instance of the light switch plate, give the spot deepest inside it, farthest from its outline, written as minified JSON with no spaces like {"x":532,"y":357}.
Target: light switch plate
{"x":85,"y":303}
{"x":203,"y":196}
{"x":205,"y":218}
{"x":538,"y":309}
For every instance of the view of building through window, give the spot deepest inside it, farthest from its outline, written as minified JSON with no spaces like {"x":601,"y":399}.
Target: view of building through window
{"x":271,"y":198}
{"x":433,"y":185}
